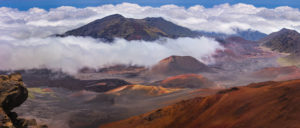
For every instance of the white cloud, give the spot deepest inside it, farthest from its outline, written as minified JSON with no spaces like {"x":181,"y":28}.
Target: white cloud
{"x":73,"y":53}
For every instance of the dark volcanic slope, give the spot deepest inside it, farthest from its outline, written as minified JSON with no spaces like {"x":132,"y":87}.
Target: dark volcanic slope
{"x":48,"y":78}
{"x":262,"y":105}
{"x":118,"y":26}
{"x":283,"y":41}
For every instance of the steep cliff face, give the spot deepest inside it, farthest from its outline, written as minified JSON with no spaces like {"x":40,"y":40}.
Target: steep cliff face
{"x":12,"y":94}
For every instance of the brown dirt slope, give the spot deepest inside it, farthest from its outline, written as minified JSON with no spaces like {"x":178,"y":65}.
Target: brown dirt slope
{"x":261,"y":105}
{"x":176,"y":65}
{"x":186,"y":81}
{"x":278,"y":73}
{"x":141,"y":90}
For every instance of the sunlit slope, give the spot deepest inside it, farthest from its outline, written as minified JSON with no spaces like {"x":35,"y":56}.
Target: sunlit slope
{"x":267,"y":105}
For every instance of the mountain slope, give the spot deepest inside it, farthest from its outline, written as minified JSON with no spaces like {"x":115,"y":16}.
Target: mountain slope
{"x":285,"y":40}
{"x":277,"y":73}
{"x":186,"y":81}
{"x":141,"y":90}
{"x":175,"y":65}
{"x":117,"y":26}
{"x":267,"y":104}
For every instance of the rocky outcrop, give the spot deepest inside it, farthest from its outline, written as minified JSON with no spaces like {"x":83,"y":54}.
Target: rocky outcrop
{"x":12,"y":94}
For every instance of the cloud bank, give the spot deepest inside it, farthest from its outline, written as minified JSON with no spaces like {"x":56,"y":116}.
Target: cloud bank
{"x":25,"y":41}
{"x":72,"y":53}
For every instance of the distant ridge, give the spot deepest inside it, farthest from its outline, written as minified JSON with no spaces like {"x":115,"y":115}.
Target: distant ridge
{"x":249,"y":34}
{"x":117,"y":26}
{"x":285,"y":40}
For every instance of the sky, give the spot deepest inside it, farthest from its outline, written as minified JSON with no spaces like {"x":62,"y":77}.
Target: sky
{"x":47,"y":4}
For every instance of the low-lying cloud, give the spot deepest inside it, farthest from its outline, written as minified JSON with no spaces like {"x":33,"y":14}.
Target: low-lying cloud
{"x":72,"y":53}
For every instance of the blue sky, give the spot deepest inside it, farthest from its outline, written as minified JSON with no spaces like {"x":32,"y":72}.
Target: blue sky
{"x":46,"y":4}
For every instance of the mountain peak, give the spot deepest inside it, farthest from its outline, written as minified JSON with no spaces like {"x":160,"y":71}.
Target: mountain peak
{"x":288,"y":31}
{"x":285,"y":29}
{"x":179,"y":59}
{"x":285,"y":40}
{"x":113,"y":16}
{"x":175,"y":65}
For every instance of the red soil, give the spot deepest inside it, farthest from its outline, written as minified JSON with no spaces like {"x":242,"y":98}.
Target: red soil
{"x":260,"y":105}
{"x":187,"y":81}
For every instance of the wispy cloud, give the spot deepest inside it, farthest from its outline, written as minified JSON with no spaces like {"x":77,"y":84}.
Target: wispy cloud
{"x":72,"y":53}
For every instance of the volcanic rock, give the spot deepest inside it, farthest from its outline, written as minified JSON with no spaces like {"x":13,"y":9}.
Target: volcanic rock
{"x":12,"y":94}
{"x":175,"y":65}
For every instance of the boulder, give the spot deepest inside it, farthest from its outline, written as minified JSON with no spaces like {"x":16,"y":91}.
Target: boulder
{"x":12,"y":94}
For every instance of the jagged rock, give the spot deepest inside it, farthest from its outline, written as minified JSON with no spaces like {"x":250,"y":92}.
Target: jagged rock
{"x":12,"y":94}
{"x":5,"y":120}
